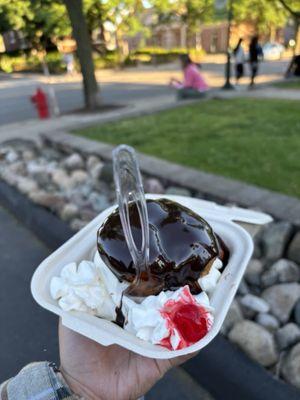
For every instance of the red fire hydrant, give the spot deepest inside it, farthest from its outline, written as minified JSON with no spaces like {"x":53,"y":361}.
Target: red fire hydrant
{"x":41,"y":103}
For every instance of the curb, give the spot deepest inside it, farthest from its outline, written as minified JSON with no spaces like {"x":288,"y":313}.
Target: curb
{"x":222,"y":369}
{"x":46,"y":226}
{"x":204,"y":184}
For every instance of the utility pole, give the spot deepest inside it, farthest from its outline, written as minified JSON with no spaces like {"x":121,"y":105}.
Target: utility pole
{"x":228,"y":85}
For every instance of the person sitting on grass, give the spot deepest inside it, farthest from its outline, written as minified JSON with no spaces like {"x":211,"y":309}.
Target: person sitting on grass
{"x":193,"y":85}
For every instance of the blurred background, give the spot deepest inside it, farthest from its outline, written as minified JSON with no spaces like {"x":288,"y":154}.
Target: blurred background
{"x":78,"y":77}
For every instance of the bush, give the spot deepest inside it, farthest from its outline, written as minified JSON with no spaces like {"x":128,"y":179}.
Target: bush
{"x":158,"y":55}
{"x":109,"y":60}
{"x":31,"y":63}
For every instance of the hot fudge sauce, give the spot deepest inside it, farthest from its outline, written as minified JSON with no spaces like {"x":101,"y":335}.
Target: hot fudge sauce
{"x":183,"y":247}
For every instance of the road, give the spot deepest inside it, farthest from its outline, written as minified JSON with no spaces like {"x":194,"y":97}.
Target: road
{"x":123,"y":86}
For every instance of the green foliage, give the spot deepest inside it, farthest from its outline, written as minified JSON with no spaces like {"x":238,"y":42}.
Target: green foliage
{"x":159,"y":55}
{"x":31,"y":63}
{"x":189,"y":12}
{"x":263,"y":13}
{"x":40,"y":20}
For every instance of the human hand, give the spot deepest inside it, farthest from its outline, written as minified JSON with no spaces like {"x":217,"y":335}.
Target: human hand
{"x":108,"y":373}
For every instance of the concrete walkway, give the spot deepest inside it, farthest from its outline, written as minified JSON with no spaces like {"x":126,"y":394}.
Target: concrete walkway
{"x":260,"y":92}
{"x":31,"y":129}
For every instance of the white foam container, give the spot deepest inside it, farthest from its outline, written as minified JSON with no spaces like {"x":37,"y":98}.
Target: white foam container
{"x":83,"y":245}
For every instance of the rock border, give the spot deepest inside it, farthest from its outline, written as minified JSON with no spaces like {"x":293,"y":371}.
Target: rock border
{"x":224,"y":370}
{"x":214,"y":187}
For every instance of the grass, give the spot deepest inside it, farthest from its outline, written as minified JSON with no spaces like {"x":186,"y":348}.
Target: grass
{"x":295,"y":84}
{"x":253,"y":140}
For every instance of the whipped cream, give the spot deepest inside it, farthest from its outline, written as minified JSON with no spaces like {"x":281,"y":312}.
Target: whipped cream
{"x":114,"y":287}
{"x":82,"y":289}
{"x":209,"y":282}
{"x":172,"y":319}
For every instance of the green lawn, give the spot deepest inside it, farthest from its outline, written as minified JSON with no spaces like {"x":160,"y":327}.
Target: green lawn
{"x":288,"y":84}
{"x":257,"y":141}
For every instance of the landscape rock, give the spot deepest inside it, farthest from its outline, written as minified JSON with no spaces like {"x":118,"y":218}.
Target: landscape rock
{"x":26,"y":185}
{"x":99,"y":201}
{"x":254,"y":271}
{"x":287,"y":336}
{"x":268,"y":321}
{"x":78,"y":177}
{"x":282,"y":299}
{"x":28,"y":155}
{"x":256,"y":341}
{"x":11,"y":156}
{"x":254,"y":303}
{"x":293,"y":252}
{"x":53,"y":201}
{"x":19,"y":144}
{"x":95,"y":171}
{"x":291,"y":366}
{"x":18,"y":168}
{"x":153,"y":185}
{"x":69,"y":211}
{"x":107,"y":173}
{"x":281,"y":271}
{"x":61,"y":179}
{"x":274,"y":239}
{"x":233,"y":316}
{"x":243,"y":288}
{"x":40,"y":173}
{"x":10,"y":177}
{"x":77,"y":224}
{"x":74,"y":161}
{"x":81,"y":191}
{"x":87,"y":214}
{"x":297,"y":312}
{"x":178,"y":191}
{"x":92,"y":161}
{"x":51,"y":154}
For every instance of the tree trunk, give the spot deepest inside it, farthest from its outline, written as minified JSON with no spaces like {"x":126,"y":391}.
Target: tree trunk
{"x":297,"y":36}
{"x":84,"y":52}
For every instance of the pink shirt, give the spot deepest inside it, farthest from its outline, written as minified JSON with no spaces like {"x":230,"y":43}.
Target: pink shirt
{"x":193,"y":79}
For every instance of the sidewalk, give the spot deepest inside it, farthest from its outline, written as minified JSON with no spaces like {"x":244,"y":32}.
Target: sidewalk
{"x":31,"y":129}
{"x":260,"y":92}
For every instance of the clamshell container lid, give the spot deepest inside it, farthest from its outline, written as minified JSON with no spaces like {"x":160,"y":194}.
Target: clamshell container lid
{"x":224,"y":220}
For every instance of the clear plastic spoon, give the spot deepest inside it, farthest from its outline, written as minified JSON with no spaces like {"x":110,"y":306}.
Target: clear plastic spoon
{"x":130,"y":191}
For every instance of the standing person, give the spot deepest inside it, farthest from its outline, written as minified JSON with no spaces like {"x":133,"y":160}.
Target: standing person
{"x":239,"y":56}
{"x":193,"y":84}
{"x":255,"y":54}
{"x":69,"y":61}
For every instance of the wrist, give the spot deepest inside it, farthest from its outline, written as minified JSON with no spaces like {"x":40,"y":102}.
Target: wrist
{"x":79,"y":390}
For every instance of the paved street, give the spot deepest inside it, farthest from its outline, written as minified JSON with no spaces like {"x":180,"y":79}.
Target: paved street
{"x":131,"y":85}
{"x":27,"y":331}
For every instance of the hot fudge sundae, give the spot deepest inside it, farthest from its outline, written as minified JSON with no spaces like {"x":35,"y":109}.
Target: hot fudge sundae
{"x":171,"y":305}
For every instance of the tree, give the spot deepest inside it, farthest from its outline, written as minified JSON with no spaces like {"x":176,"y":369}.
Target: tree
{"x":264,"y":14}
{"x":293,"y":8}
{"x":188,"y":12}
{"x":40,"y":20}
{"x":96,"y":14}
{"x":126,"y":18}
{"x":84,"y":52}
